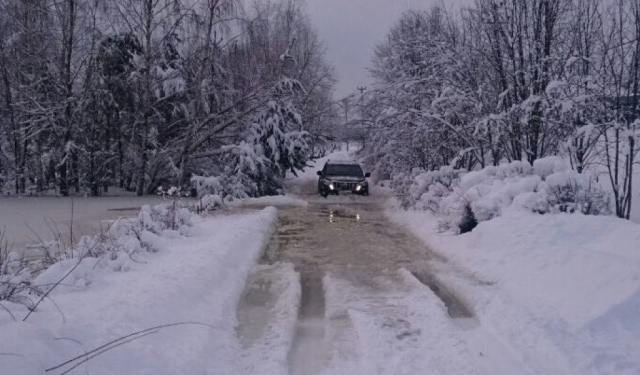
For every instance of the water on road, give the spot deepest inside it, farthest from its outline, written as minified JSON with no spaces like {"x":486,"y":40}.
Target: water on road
{"x":347,"y":238}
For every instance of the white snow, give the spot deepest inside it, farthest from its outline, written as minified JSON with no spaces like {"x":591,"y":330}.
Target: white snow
{"x":195,"y":281}
{"x":564,"y":285}
{"x":552,"y":164}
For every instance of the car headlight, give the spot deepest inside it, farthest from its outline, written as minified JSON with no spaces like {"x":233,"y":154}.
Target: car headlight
{"x":331,"y":187}
{"x":358,"y":187}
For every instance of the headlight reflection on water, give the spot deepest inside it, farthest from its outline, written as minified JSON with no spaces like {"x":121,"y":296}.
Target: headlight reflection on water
{"x":335,"y":214}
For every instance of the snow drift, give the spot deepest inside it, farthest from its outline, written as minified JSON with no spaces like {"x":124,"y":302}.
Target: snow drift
{"x":188,"y":289}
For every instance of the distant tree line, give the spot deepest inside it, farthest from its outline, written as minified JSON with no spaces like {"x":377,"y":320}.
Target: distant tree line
{"x":137,"y":94}
{"x":507,"y":80}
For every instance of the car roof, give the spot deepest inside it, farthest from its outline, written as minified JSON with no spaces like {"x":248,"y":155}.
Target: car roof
{"x":342,"y":162}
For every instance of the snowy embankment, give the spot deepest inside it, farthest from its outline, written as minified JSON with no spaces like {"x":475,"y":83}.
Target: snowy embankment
{"x":190,"y":287}
{"x":562,"y":289}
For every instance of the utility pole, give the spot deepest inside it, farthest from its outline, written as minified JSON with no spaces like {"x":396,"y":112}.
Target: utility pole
{"x":362,"y":89}
{"x":345,"y":103}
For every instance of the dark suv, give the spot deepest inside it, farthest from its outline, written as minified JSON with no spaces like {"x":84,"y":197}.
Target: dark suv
{"x":342,"y":176}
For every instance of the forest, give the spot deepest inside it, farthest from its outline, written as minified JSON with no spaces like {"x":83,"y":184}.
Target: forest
{"x":504,"y":81}
{"x":144,"y":94}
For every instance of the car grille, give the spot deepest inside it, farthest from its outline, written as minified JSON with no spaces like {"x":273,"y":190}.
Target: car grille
{"x":350,"y":186}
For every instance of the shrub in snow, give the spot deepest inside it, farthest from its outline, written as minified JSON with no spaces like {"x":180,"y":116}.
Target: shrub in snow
{"x":14,"y":279}
{"x":401,"y":183}
{"x":531,"y":201}
{"x":489,"y":199}
{"x":425,"y":190}
{"x":464,"y":199}
{"x":207,"y":185}
{"x":167,"y":216}
{"x":549,"y":165}
{"x":573,"y":192}
{"x":489,"y":174}
{"x":432,"y":187}
{"x":210,"y":202}
{"x":229,"y":186}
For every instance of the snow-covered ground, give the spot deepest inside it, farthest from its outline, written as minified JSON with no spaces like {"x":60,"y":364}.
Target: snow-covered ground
{"x":191,"y":288}
{"x":565,"y":289}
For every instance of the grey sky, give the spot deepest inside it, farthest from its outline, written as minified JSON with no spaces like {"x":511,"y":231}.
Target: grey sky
{"x":351,"y":28}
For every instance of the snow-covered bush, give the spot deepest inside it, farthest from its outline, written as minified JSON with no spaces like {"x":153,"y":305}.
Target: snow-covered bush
{"x":573,"y":192}
{"x":489,"y":198}
{"x":170,"y":216}
{"x":425,"y":190}
{"x":402,"y":183}
{"x":489,"y":174}
{"x":210,"y":202}
{"x":552,"y":164}
{"x":461,"y":200}
{"x":207,"y":185}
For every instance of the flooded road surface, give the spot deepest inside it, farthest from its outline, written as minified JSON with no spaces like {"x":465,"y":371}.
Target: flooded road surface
{"x":343,"y":240}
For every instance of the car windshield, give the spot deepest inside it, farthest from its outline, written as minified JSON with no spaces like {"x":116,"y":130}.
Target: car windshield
{"x":344,"y":170}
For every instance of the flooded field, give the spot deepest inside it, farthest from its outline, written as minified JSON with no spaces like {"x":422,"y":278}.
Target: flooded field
{"x":27,"y":220}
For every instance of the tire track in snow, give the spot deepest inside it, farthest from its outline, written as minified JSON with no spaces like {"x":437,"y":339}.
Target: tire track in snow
{"x":267,"y":316}
{"x":404,"y":328}
{"x":309,"y":351}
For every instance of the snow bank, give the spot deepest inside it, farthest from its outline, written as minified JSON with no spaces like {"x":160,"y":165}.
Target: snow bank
{"x":572,"y":280}
{"x":465,"y":198}
{"x":115,"y":249}
{"x":194,"y":281}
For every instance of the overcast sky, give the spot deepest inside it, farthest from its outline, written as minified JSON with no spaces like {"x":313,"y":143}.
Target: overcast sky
{"x":351,"y":28}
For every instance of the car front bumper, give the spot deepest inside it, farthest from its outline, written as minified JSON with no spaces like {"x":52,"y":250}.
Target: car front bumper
{"x":348,"y":187}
